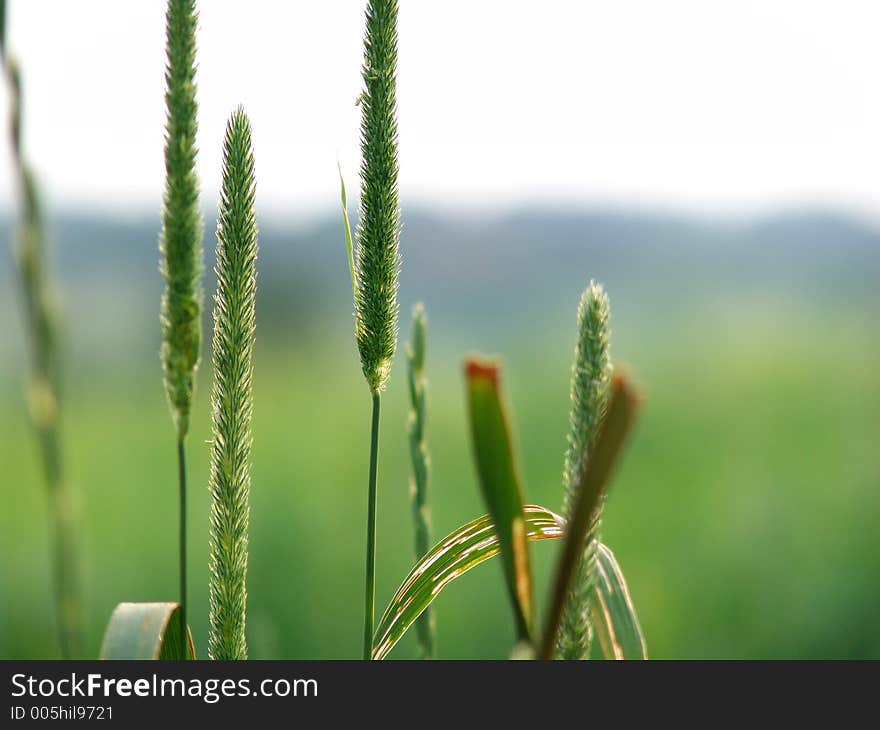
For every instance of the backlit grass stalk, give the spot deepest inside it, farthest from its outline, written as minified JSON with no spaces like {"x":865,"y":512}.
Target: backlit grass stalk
{"x":378,"y":257}
{"x":233,"y":344}
{"x":43,"y":379}
{"x":180,"y":247}
{"x":622,"y":408}
{"x":421,"y":463}
{"x":591,"y":375}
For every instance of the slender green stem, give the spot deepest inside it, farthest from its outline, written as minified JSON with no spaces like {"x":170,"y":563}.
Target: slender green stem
{"x":181,"y":465}
{"x":65,"y":548}
{"x":370,"y":586}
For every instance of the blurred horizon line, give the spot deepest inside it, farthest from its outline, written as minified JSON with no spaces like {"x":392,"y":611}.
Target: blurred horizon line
{"x":424,"y":208}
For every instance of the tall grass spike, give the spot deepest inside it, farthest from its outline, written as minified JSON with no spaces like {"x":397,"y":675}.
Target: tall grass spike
{"x":233,"y":343}
{"x":181,"y":236}
{"x":29,"y":250}
{"x":421,"y":464}
{"x":591,"y":375}
{"x":378,"y":232}
{"x":378,"y":250}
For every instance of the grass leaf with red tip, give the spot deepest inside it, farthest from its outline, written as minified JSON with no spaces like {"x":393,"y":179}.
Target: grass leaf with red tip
{"x":501,"y":485}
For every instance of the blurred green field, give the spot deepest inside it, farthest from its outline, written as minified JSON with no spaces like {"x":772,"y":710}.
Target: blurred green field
{"x":745,"y":515}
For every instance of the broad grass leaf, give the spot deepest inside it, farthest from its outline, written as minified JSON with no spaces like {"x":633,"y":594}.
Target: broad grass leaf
{"x":612,"y":612}
{"x":145,"y":631}
{"x":500,"y":484}
{"x":453,"y":556}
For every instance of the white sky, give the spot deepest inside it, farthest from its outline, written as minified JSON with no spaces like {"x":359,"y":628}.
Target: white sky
{"x":699,"y":105}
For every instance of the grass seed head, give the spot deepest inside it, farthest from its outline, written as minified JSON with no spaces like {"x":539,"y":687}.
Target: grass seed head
{"x":181,"y":237}
{"x":233,"y":343}
{"x":590,"y":379}
{"x":378,"y":233}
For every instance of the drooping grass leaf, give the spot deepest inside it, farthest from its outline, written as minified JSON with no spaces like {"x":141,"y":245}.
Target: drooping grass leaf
{"x":145,"y":631}
{"x":500,"y":484}
{"x":612,"y":612}
{"x":622,"y":406}
{"x":453,"y":556}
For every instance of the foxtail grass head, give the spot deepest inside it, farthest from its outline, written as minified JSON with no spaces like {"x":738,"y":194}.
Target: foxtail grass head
{"x":590,"y":377}
{"x":181,"y":237}
{"x":590,"y":380}
{"x":378,"y":234}
{"x":233,"y":343}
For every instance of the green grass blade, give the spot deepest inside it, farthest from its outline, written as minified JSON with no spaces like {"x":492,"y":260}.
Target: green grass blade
{"x":349,"y":244}
{"x":453,"y":556}
{"x":145,"y":631}
{"x":622,"y":407}
{"x":500,"y":484}
{"x":612,"y":612}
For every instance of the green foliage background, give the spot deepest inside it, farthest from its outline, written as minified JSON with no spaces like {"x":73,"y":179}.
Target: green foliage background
{"x":744,"y":516}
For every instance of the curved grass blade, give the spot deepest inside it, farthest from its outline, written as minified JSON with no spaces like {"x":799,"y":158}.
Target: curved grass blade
{"x":349,"y":246}
{"x":501,"y":485}
{"x":145,"y":631}
{"x":454,"y":555}
{"x":613,"y":614}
